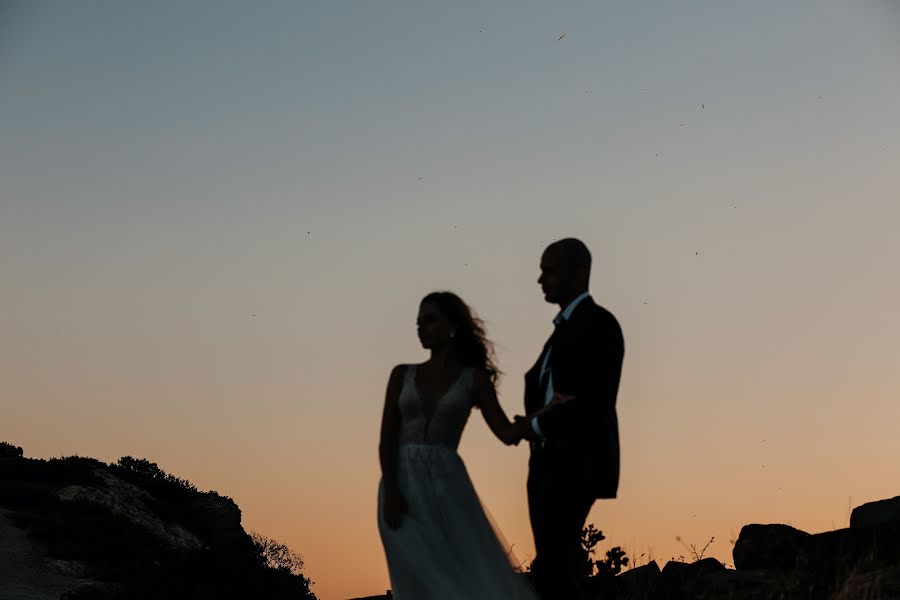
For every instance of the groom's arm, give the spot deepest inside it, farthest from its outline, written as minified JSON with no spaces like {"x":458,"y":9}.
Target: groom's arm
{"x":592,"y":377}
{"x":599,"y":362}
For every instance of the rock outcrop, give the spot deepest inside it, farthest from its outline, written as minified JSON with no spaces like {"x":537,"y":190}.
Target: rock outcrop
{"x":861,"y":562}
{"x":882,"y":512}
{"x":132,"y":504}
{"x":79,"y":529}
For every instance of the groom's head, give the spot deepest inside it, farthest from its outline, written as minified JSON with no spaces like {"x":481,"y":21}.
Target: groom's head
{"x":565,"y":271}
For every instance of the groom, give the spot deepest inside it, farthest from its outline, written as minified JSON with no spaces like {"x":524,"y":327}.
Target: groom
{"x":574,"y":446}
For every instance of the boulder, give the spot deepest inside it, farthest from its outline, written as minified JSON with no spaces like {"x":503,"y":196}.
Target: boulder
{"x":845,"y":550}
{"x":876,"y":513}
{"x":820,"y":564}
{"x":684,"y":580}
{"x":704,"y":567}
{"x":675,"y":568}
{"x":639,"y":581}
{"x":773,"y":547}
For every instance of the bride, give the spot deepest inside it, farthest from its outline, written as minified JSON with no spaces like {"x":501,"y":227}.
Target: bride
{"x":437,"y":539}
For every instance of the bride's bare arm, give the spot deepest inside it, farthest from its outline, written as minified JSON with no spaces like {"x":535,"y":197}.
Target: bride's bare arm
{"x":387,"y":448}
{"x":493,"y":413}
{"x":390,"y":428}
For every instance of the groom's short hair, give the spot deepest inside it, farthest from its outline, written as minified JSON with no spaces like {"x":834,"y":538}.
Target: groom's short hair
{"x":573,"y":252}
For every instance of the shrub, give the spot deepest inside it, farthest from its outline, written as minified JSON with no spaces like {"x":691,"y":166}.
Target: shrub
{"x":147,"y":470}
{"x":597,"y":575}
{"x":10,"y":451}
{"x":277,"y":556}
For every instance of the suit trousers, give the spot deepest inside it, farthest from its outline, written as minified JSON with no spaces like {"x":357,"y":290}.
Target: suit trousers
{"x":558,"y":505}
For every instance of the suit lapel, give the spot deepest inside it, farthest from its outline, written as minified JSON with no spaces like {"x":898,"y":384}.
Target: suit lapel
{"x":533,"y":383}
{"x":535,"y":387}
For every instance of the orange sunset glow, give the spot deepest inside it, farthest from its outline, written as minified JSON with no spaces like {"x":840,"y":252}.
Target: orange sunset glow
{"x":217,"y":223}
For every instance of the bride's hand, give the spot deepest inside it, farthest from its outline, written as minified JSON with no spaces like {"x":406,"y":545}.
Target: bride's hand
{"x":394,"y":508}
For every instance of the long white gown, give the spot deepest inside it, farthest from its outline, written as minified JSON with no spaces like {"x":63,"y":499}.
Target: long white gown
{"x":445,"y":548}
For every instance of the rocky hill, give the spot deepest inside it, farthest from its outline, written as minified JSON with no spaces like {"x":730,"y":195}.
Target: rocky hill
{"x":79,"y":529}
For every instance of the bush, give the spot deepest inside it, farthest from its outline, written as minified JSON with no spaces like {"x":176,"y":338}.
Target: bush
{"x":149,"y":471}
{"x":10,"y":451}
{"x":597,"y":575}
{"x":611,"y":565}
{"x":276,"y":555}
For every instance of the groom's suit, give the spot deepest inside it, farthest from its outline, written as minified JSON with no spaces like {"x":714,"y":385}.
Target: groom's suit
{"x":576,"y":460}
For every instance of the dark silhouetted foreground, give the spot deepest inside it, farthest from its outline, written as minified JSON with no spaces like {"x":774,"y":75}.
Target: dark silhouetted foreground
{"x":861,"y":562}
{"x":95,"y":531}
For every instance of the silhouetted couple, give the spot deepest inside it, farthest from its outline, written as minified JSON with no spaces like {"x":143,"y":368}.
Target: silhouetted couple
{"x":437,"y":539}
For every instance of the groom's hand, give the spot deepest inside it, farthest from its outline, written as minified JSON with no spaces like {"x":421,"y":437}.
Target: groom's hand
{"x":559,"y":398}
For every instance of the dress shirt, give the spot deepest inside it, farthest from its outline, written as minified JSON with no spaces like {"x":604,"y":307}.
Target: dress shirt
{"x":564,"y":315}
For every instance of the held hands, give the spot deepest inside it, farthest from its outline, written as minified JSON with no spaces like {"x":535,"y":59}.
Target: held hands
{"x":522,"y":428}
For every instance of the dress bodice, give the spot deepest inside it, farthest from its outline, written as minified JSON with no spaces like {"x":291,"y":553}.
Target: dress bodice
{"x":450,"y":412}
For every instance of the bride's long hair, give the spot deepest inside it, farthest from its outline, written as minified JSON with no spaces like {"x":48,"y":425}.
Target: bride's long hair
{"x":473,"y":348}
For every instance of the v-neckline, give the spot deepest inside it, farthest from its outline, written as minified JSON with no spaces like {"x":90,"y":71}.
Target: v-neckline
{"x":437,"y":402}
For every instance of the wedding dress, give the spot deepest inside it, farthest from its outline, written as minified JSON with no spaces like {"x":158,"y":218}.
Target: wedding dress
{"x":445,"y":547}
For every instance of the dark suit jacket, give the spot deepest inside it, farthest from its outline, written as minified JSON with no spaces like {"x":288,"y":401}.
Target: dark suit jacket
{"x":586,"y":362}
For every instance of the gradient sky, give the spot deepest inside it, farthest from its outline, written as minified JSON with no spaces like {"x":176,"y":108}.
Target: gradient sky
{"x":168,"y":170}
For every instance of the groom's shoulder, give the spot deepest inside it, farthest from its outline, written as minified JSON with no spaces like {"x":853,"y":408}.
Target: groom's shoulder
{"x":599,"y":314}
{"x":601,"y":321}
